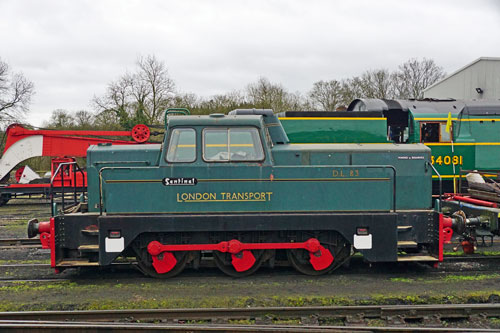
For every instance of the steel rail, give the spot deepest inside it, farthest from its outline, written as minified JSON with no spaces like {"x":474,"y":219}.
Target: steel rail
{"x":340,"y":312}
{"x":23,"y":326}
{"x":471,"y":258}
{"x":40,"y":265}
{"x":20,"y":243}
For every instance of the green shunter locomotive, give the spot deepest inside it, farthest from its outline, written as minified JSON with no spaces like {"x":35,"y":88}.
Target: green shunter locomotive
{"x":232,"y":189}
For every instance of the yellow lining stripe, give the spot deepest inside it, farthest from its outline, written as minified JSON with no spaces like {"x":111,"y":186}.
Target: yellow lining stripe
{"x":482,"y":119}
{"x":219,"y":145}
{"x":252,"y":180}
{"x":220,"y":200}
{"x":457,"y":176}
{"x":135,"y":181}
{"x":462,"y":144}
{"x":231,"y":145}
{"x":445,"y":119}
{"x":436,"y":119}
{"x":292,"y":179}
{"x":348,"y":143}
{"x":385,"y":212}
{"x":331,"y":118}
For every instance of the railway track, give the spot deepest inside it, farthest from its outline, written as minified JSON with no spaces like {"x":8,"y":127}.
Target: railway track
{"x":50,"y":327}
{"x":398,"y":318}
{"x":16,"y":243}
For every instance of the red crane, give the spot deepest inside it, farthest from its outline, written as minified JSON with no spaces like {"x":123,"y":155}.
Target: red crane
{"x":63,"y":145}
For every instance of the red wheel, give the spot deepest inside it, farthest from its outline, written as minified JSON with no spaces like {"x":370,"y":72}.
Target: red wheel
{"x":19,"y":173}
{"x":140,"y":133}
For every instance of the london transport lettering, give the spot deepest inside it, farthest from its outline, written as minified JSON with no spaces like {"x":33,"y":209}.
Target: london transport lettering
{"x":224,"y":196}
{"x":447,"y":160}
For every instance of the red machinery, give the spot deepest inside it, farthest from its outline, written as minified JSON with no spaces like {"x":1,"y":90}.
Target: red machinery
{"x":64,"y":146}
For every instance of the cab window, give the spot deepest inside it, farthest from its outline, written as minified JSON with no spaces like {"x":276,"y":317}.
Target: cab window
{"x":232,"y":145}
{"x":434,"y":132}
{"x":182,"y":146}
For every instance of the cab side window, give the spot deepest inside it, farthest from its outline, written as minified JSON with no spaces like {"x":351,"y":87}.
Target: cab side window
{"x":232,"y":145}
{"x":182,"y":146}
{"x":434,"y":132}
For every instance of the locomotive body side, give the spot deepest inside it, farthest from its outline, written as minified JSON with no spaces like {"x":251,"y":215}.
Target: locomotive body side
{"x":232,"y":185}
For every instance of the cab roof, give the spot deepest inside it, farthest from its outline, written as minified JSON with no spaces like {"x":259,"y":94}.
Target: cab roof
{"x":428,"y":106}
{"x":216,"y":120}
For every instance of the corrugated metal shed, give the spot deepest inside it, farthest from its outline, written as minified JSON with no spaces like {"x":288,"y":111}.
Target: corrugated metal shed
{"x":477,"y":80}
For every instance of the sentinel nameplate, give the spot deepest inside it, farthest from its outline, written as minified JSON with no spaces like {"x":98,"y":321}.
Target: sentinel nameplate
{"x":179,"y":181}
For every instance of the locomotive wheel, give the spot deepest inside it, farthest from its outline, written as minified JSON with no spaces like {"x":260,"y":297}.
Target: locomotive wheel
{"x":299,"y":258}
{"x":145,"y":263}
{"x":223,"y":262}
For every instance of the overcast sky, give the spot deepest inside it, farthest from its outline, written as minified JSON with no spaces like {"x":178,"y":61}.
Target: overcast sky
{"x":72,"y":49}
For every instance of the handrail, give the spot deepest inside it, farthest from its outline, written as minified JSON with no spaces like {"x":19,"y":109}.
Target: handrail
{"x":183,"y":111}
{"x":440,"y":183}
{"x":76,"y":168}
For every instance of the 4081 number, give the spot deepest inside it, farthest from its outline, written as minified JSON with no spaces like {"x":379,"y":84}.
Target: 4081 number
{"x":447,"y":160}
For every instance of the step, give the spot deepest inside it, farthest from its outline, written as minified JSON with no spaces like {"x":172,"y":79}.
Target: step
{"x":402,"y":244}
{"x":90,"y":232}
{"x":417,"y":258}
{"x":89,"y":248}
{"x":74,"y":263}
{"x":404,"y":227}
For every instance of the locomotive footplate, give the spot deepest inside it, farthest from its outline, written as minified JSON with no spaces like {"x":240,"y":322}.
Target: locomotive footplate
{"x":117,"y":232}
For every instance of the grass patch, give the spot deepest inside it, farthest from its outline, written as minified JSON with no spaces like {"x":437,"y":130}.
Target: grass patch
{"x":447,"y":278}
{"x":31,"y":261}
{"x":479,"y":277}
{"x":237,"y":302}
{"x":460,"y":253}
{"x":401,"y":279}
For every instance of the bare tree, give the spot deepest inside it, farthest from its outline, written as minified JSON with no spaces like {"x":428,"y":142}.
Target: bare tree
{"x":60,"y":119}
{"x":222,"y":103}
{"x":377,"y":84}
{"x":115,"y":101}
{"x":265,"y":94}
{"x":189,"y":101}
{"x":141,"y":96}
{"x":15,"y":95}
{"x":351,"y":89}
{"x":84,"y":119}
{"x":155,"y":85}
{"x":326,"y":95}
{"x":414,"y":76}
{"x":106,"y":121}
